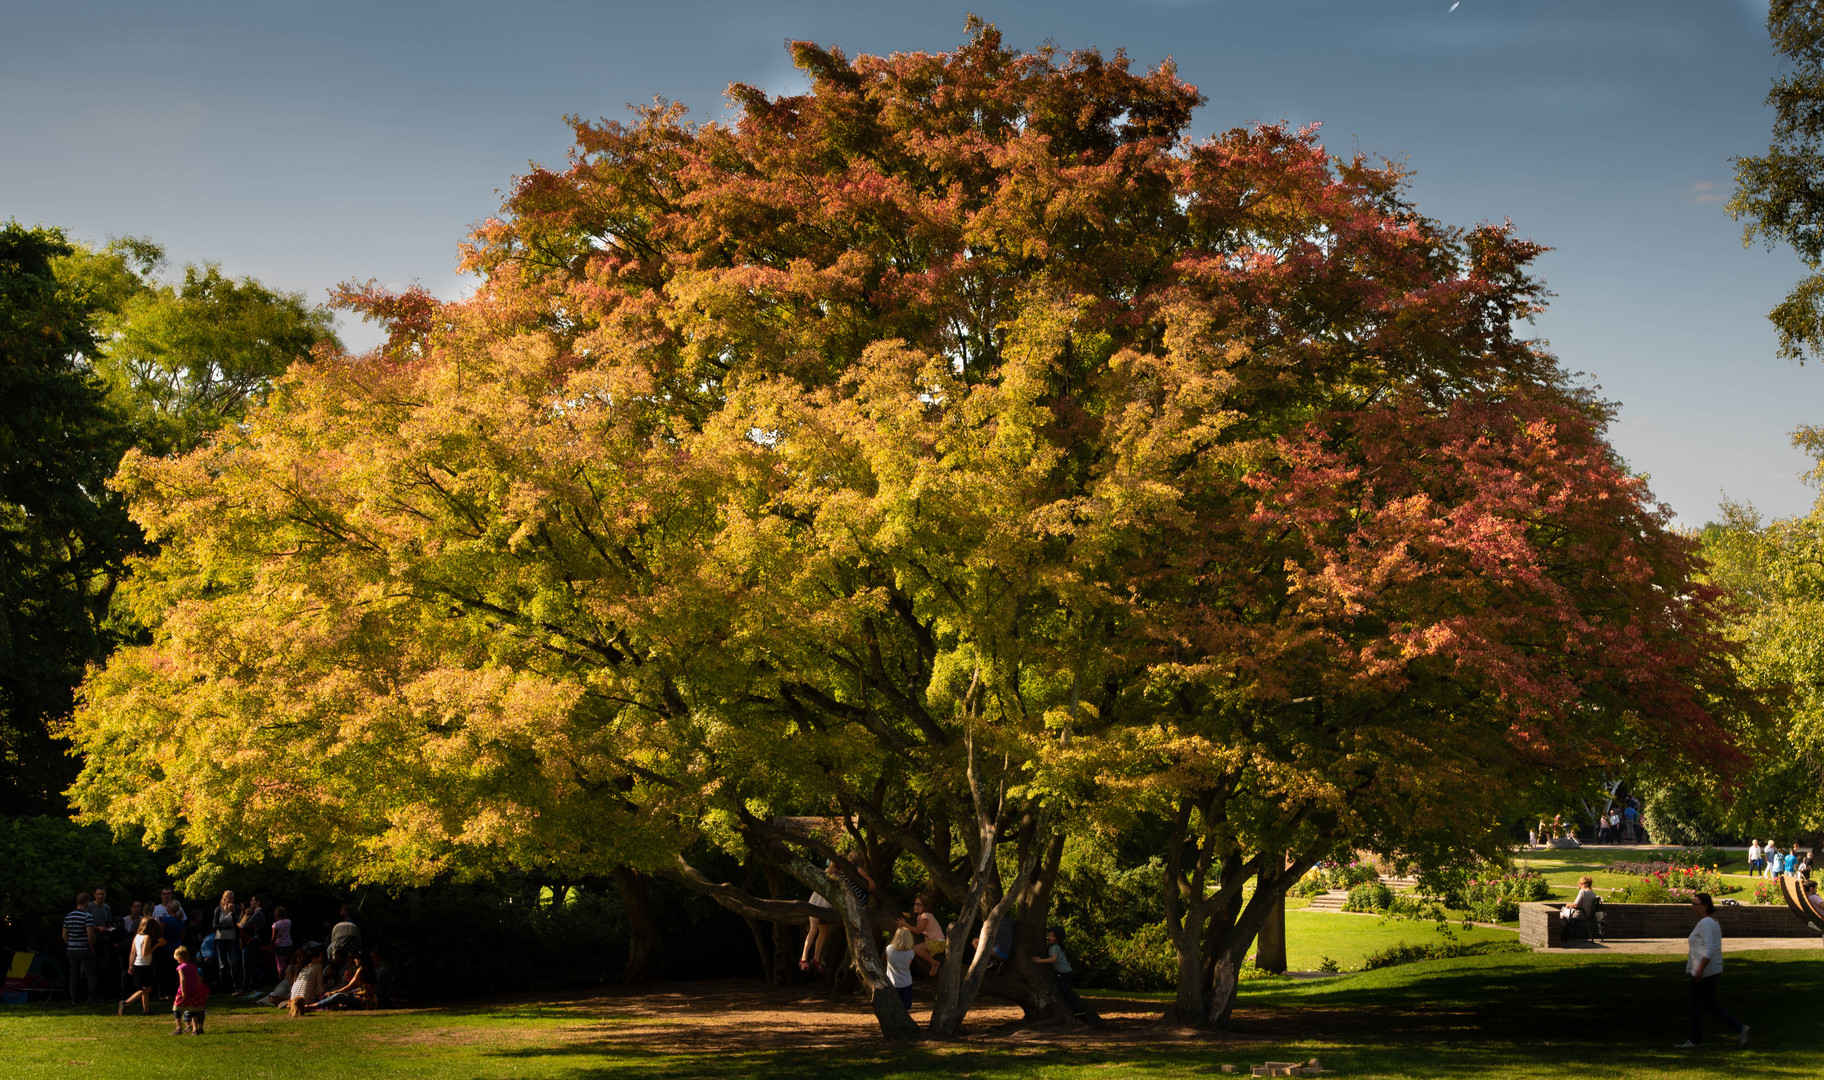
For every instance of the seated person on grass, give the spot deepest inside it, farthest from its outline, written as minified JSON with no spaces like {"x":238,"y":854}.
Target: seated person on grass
{"x":357,"y":993}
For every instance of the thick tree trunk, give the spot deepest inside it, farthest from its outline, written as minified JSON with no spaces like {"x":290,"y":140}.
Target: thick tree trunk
{"x":645,"y":948}
{"x":896,"y":1024}
{"x":786,"y":945}
{"x":962,"y":973}
{"x":1270,"y":886}
{"x":1271,"y":954}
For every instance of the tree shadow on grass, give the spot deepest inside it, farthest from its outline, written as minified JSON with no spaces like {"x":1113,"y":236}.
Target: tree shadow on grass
{"x":1528,"y":1016}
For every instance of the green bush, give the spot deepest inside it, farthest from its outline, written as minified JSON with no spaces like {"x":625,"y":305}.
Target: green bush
{"x":1649,"y":890}
{"x":1311,"y":884}
{"x":1509,"y":887}
{"x":1114,"y":920}
{"x":1369,"y":896}
{"x":1707,"y":858}
{"x":1494,"y":911}
{"x":1413,"y":952}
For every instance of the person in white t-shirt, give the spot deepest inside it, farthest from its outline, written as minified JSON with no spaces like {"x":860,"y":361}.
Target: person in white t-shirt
{"x":1705,"y":966}
{"x":1754,"y":857}
{"x":899,"y":964}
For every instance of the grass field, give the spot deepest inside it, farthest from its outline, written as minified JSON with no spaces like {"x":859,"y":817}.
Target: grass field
{"x":1522,"y":1017}
{"x":1349,"y":939}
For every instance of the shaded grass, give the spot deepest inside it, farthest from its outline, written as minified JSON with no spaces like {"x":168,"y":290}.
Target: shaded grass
{"x":1523,"y":1017}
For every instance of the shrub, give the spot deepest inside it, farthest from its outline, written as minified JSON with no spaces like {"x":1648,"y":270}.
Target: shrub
{"x":1349,"y":875}
{"x":1413,"y":906}
{"x":1369,"y":896}
{"x":1700,"y":856}
{"x":1494,"y":911}
{"x":1114,"y":918}
{"x":1330,"y":875}
{"x":1766,"y":892}
{"x":1310,"y":885}
{"x":1512,"y":887}
{"x":47,"y":860}
{"x":1413,"y":953}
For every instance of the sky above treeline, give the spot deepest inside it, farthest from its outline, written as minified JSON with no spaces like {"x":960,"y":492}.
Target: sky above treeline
{"x":308,"y":144}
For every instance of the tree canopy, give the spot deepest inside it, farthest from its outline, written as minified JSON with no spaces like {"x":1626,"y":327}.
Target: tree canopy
{"x":956,"y":452}
{"x":63,"y":535}
{"x":1781,"y":193}
{"x":96,"y":355}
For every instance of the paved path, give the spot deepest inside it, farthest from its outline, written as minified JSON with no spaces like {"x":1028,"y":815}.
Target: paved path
{"x":1679,"y":946}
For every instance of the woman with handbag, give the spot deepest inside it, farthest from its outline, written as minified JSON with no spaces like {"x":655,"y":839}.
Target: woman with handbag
{"x":226,"y":922}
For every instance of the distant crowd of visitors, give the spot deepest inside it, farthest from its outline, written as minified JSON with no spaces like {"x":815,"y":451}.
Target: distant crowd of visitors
{"x":1769,"y":861}
{"x":1621,"y":823}
{"x":162,"y":951}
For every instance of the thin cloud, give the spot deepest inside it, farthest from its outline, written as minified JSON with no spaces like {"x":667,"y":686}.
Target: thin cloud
{"x":1706,"y":191}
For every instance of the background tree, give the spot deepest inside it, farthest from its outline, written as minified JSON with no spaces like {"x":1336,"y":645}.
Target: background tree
{"x":63,"y":534}
{"x":181,"y":359}
{"x":1781,"y":193}
{"x":1773,"y":571}
{"x":100,"y":355}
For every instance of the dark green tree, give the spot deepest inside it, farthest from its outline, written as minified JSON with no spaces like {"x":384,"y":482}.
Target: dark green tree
{"x":63,"y":534}
{"x":1780,"y":195}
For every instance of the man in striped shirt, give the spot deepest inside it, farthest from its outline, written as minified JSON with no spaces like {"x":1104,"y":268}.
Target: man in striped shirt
{"x":79,"y":946}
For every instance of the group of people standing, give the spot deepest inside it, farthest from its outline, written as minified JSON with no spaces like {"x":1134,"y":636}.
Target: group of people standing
{"x":1620,"y":823}
{"x":1769,"y":861}
{"x":161,"y":950}
{"x":136,"y":951}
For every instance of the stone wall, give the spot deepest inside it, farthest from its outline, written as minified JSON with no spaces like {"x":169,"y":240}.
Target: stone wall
{"x":1541,"y":927}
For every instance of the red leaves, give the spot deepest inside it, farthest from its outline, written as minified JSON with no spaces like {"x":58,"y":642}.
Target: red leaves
{"x":1496,"y":535}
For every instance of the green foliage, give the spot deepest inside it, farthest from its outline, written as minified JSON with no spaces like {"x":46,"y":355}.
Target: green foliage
{"x":1679,"y":813}
{"x":1774,"y":572}
{"x":1369,"y":896}
{"x":1776,"y":193}
{"x":183,"y":358}
{"x":1396,"y":955}
{"x":1498,"y":910}
{"x":1518,"y":886}
{"x":1335,"y":875}
{"x":63,"y":535}
{"x":1709,"y":857}
{"x":48,"y":860}
{"x":1114,"y":920}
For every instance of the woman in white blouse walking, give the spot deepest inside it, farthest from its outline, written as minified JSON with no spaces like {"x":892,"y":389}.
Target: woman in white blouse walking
{"x":1705,"y":966}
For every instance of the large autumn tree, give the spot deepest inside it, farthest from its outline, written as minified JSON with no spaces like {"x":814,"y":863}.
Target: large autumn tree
{"x":957,"y":453}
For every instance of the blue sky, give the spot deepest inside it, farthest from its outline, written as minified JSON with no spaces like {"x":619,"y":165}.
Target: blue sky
{"x":309,"y":144}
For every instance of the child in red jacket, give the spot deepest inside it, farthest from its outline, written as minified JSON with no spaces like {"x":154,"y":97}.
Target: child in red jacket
{"x":192,"y":995}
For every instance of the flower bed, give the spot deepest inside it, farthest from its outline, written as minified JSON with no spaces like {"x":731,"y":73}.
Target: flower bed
{"x":1674,"y":883}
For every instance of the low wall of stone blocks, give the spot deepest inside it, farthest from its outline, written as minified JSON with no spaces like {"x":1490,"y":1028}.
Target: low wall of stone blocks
{"x":1541,"y":927}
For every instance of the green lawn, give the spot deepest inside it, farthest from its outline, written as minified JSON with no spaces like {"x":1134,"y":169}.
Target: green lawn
{"x":1526,"y":1017}
{"x":1348,"y":939}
